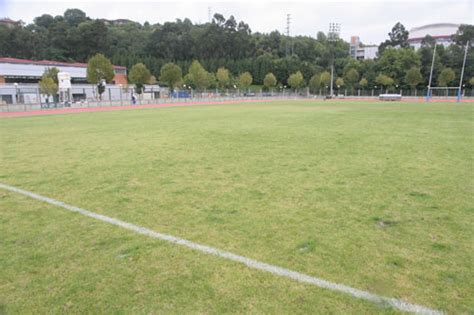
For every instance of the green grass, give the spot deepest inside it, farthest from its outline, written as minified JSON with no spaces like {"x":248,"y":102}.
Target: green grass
{"x":378,"y":196}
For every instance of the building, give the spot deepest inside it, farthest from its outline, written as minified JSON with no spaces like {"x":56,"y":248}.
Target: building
{"x":441,"y":32}
{"x":29,"y":94}
{"x":19,"y":81}
{"x":117,"y":21}
{"x":10,"y":23}
{"x":361,"y":52}
{"x":13,"y":70}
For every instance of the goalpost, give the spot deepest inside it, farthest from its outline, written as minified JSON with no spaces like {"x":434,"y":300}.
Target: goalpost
{"x":458,"y":95}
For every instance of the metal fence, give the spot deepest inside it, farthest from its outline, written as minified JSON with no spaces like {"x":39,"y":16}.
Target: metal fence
{"x":223,"y":96}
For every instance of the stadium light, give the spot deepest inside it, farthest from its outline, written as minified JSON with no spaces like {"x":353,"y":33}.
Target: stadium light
{"x":333,"y":36}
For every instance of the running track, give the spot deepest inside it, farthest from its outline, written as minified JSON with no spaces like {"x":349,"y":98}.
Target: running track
{"x":57,"y":111}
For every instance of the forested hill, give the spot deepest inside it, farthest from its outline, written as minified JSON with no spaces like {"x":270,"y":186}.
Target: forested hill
{"x":224,"y":42}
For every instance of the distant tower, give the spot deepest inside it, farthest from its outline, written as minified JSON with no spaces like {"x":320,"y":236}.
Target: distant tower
{"x":209,"y":14}
{"x":288,"y":41}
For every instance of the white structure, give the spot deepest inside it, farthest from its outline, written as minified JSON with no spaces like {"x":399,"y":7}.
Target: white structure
{"x":441,"y":32}
{"x":359,"y":52}
{"x":64,"y":80}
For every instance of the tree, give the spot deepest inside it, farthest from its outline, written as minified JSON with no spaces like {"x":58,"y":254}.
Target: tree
{"x":464,"y":34}
{"x":340,"y":82}
{"x":363,"y":83}
{"x":413,"y":77}
{"x":325,"y":79}
{"x":471,"y":81}
{"x":52,"y":73}
{"x":384,"y":80}
{"x":197,"y":76}
{"x":74,"y":17}
{"x":47,"y":86}
{"x":315,"y":82}
{"x":223,"y":77}
{"x":99,"y":68}
{"x":396,"y":62}
{"x":351,"y":77}
{"x":445,"y":77}
{"x":245,"y":80}
{"x":295,"y":80}
{"x":171,"y":74}
{"x":270,"y":80}
{"x":139,"y":75}
{"x":398,"y":38}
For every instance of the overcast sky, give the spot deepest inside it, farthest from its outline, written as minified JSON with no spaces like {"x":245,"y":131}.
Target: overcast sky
{"x":370,"y":19}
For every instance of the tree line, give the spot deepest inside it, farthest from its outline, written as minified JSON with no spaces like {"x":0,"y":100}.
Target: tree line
{"x":226,"y":47}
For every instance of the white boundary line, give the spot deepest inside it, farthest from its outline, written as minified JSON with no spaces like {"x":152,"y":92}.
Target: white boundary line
{"x":254,"y":264}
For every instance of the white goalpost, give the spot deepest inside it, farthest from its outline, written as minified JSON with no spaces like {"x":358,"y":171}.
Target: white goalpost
{"x":458,"y":94}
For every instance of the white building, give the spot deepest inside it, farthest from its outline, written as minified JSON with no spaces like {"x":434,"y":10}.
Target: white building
{"x":441,"y":32}
{"x":359,"y":52}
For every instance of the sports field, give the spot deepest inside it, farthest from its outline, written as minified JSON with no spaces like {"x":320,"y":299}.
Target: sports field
{"x":375,"y":196}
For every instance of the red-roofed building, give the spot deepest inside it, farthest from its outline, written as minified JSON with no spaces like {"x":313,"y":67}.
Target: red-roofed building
{"x":14,"y":70}
{"x":10,"y":23}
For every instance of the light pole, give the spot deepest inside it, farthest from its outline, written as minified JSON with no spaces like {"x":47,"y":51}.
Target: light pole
{"x":333,"y":36}
{"x":16,"y":92}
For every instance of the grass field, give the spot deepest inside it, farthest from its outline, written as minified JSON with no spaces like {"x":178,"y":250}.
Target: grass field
{"x":377,"y":196}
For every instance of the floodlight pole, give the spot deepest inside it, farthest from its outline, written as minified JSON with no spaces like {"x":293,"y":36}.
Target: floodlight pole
{"x":332,"y":78}
{"x":462,"y":72}
{"x":428,"y":94}
{"x":334,"y":29}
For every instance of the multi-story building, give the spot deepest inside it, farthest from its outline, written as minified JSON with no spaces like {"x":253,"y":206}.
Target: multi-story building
{"x":360,"y":52}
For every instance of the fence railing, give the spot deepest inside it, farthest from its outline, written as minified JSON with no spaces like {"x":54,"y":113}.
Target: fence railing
{"x":222,"y":97}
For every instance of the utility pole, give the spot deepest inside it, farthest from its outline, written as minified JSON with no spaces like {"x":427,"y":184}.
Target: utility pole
{"x":333,"y":36}
{"x":288,"y":22}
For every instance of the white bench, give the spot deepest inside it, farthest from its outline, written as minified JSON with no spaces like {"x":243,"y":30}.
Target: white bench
{"x":390,"y":97}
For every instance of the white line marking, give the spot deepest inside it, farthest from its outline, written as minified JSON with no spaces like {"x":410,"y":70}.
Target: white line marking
{"x":254,"y":264}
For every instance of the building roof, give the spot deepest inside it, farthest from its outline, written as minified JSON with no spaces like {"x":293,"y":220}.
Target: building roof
{"x":48,"y":63}
{"x":437,"y":31}
{"x":8,"y":20}
{"x":435,"y":25}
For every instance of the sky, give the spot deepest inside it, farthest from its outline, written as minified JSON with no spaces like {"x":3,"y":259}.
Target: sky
{"x":371,"y":20}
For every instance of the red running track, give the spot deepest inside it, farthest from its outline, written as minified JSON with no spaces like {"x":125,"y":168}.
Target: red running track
{"x":57,"y":111}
